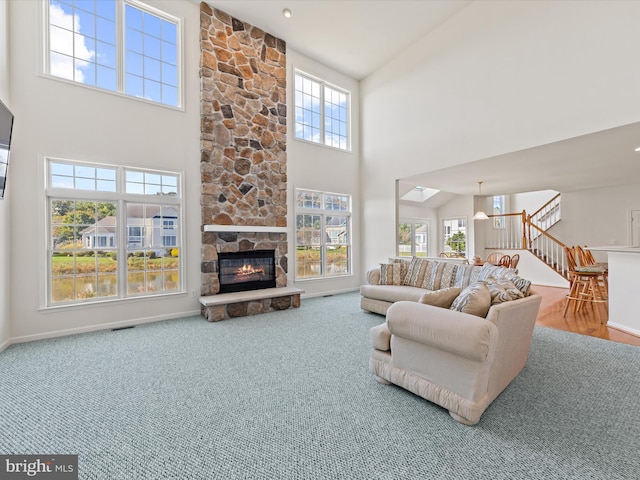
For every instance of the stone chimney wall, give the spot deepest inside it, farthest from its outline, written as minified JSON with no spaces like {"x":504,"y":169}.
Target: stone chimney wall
{"x":243,"y":140}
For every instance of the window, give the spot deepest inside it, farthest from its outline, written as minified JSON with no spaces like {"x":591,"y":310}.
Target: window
{"x":117,"y":45}
{"x":323,"y":234}
{"x":498,"y":209}
{"x":110,"y":238}
{"x":322,"y":112}
{"x":413,"y":238}
{"x":455,"y":237}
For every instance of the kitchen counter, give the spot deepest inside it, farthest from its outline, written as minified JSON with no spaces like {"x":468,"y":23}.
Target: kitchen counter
{"x":624,"y":287}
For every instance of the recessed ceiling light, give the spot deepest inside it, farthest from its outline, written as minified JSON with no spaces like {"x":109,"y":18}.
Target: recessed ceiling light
{"x":637,"y":149}
{"x":287,"y":13}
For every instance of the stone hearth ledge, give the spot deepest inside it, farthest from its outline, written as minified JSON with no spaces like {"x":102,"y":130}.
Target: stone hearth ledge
{"x":251,"y":302}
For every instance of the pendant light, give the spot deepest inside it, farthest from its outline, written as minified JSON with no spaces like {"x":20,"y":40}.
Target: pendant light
{"x":480,"y":215}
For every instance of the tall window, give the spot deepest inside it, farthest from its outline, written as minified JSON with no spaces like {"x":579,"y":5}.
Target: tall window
{"x":498,"y":209}
{"x":323,"y":234}
{"x":413,"y":238}
{"x":454,"y":239}
{"x":118,"y":45}
{"x":322,"y":112}
{"x":114,"y":232}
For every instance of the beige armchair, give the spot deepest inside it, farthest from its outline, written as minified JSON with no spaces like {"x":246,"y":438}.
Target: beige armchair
{"x":459,"y":361}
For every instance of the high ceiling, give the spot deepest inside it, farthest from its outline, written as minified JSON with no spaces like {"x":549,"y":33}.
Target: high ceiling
{"x":355,"y":37}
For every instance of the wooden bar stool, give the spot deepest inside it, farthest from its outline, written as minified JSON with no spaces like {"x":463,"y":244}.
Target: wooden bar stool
{"x":587,"y":285}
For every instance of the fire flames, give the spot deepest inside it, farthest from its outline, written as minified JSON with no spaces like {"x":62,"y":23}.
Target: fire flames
{"x":249,"y":271}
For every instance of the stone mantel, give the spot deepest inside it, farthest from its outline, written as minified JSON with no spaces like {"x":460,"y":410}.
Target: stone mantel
{"x":244,"y":229}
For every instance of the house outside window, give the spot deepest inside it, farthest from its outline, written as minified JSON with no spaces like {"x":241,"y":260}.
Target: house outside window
{"x":107,"y":238}
{"x":322,"y":112}
{"x":454,"y":237}
{"x":122,"y":46}
{"x":323,"y":234}
{"x":413,"y":238}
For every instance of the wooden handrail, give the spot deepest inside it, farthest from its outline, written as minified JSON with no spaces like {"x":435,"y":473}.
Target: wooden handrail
{"x":533,"y":238}
{"x":542,"y":232}
{"x":545,"y":205}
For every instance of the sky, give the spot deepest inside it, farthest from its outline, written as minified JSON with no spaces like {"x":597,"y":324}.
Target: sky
{"x":83,"y":47}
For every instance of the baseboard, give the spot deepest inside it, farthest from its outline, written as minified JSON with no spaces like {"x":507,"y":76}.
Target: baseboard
{"x":103,"y":326}
{"x":5,"y":344}
{"x":624,"y":328}
{"x":328,"y":293}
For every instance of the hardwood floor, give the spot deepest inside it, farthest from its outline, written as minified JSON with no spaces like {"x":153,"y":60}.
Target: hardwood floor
{"x":583,"y":322}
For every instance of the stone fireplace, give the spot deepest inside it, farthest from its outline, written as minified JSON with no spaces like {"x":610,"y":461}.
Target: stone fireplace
{"x":243,"y":143}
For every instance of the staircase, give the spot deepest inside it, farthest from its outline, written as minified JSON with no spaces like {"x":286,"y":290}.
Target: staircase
{"x":529,"y":232}
{"x":547,"y":215}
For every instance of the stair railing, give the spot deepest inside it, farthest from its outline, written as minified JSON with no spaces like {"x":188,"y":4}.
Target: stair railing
{"x":548,"y":214}
{"x":547,"y":248}
{"x":518,"y":231}
{"x":506,"y":231}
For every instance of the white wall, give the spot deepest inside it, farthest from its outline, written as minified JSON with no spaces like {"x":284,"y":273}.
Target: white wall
{"x":69,"y":121}
{"x":530,"y":201}
{"x":316,"y":167}
{"x":5,"y":247}
{"x":598,"y":217}
{"x":496,"y":78}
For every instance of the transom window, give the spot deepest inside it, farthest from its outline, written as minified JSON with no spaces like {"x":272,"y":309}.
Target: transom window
{"x":323,"y":234}
{"x":110,"y":238}
{"x":322,"y":112}
{"x":122,"y":46}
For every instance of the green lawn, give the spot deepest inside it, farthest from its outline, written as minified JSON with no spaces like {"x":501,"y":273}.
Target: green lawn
{"x":64,"y":265}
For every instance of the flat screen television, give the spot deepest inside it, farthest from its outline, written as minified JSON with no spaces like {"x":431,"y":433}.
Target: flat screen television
{"x":6,"y":126}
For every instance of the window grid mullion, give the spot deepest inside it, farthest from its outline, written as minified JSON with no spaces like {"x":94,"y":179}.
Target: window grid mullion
{"x":120,"y":48}
{"x":322,"y":119}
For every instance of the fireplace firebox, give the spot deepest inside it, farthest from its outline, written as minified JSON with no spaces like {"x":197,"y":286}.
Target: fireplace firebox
{"x":251,"y":270}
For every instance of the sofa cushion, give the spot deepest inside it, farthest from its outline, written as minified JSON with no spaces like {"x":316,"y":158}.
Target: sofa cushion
{"x":502,"y":290}
{"x":441,"y":298}
{"x":415,"y":272}
{"x":521,"y":284}
{"x":475,"y":300}
{"x":392,"y":273}
{"x":392,"y":293}
{"x":466,"y":275}
{"x":440,"y":275}
{"x":489,"y":270}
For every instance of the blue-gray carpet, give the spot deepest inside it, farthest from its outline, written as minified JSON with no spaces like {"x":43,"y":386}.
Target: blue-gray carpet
{"x":287,"y":395}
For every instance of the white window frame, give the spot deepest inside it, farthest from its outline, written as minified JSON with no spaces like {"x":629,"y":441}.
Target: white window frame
{"x":323,"y":84}
{"x":499,"y":221}
{"x":120,"y":52}
{"x":323,"y":244}
{"x":413,"y":222}
{"x":121,"y":198}
{"x":445,"y":235}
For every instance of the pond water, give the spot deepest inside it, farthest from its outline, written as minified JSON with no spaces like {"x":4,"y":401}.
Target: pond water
{"x":66,"y":288}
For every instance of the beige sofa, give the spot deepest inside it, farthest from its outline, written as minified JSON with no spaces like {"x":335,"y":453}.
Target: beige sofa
{"x":458,"y":346}
{"x":397,"y":281}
